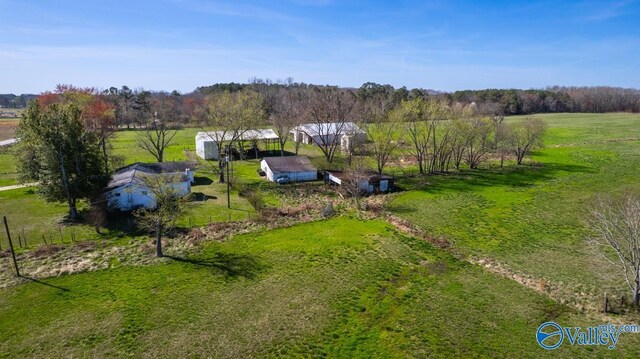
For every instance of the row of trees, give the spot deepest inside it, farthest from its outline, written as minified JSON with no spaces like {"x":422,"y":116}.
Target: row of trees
{"x":440,"y":137}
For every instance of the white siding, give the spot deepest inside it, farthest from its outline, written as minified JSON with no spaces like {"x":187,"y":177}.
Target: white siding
{"x":206,"y":149}
{"x":293,"y":176}
{"x":130,"y":197}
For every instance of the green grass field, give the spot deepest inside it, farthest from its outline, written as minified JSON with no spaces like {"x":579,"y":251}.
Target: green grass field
{"x":529,"y":216}
{"x":339,"y":288}
{"x":348,"y":287}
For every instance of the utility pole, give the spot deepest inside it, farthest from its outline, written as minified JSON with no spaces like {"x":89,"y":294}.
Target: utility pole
{"x":13,"y":253}
{"x":228,"y":179}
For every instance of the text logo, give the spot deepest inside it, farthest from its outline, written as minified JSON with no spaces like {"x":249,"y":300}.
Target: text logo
{"x":550,"y":335}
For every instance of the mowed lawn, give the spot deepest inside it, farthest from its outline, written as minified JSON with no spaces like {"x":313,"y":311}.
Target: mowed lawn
{"x":340,"y":288}
{"x":533,"y":218}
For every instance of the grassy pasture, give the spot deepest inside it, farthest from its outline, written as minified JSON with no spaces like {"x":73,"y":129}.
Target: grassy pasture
{"x":532,"y":218}
{"x":345,"y":286}
{"x":339,"y":288}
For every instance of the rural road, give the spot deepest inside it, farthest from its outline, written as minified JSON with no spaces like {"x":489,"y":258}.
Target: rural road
{"x":8,"y":188}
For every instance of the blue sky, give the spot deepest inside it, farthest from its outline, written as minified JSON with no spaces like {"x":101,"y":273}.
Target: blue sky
{"x":441,"y":45}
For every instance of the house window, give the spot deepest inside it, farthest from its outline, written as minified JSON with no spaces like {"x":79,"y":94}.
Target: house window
{"x":117,"y":194}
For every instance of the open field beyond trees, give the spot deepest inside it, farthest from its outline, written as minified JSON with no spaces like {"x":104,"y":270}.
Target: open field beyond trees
{"x":350,"y":285}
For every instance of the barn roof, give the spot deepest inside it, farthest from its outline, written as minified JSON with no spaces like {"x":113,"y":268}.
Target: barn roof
{"x":328,"y":128}
{"x":289,"y":164}
{"x":259,"y":134}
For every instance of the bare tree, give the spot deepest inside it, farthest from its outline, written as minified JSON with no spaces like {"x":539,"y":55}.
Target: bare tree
{"x":478,"y":140}
{"x":169,"y":206}
{"x":330,"y":105}
{"x":155,"y":138}
{"x":414,"y":114}
{"x":232,"y":115}
{"x":501,"y":140}
{"x":354,"y":179}
{"x":440,"y":117}
{"x":525,"y":136}
{"x":284,"y":110}
{"x":385,"y":134}
{"x":616,"y":227}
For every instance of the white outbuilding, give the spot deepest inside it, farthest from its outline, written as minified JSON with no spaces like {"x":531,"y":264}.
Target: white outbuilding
{"x":289,"y":169}
{"x":207,"y":142}
{"x":344,"y":133}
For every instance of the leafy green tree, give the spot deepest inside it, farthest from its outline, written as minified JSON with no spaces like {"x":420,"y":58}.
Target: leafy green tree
{"x":60,"y":153}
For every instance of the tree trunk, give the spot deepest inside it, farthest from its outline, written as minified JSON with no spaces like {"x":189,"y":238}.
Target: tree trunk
{"x":636,"y":296}
{"x":104,"y":153}
{"x":159,"y":241}
{"x":221,"y":167}
{"x":73,"y":212}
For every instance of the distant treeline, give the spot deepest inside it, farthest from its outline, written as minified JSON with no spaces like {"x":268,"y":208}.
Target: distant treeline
{"x":496,"y":101}
{"x":132,"y":104}
{"x":11,"y":100}
{"x":553,"y":99}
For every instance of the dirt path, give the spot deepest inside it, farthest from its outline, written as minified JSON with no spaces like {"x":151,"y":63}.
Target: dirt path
{"x":560,"y":292}
{"x":17,"y":186}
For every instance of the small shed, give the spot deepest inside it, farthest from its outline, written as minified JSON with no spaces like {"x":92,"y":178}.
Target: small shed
{"x":368,"y":182}
{"x":289,"y":169}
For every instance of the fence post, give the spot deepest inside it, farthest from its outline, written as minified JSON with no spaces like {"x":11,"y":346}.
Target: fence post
{"x":13,"y":253}
{"x":606,"y":303}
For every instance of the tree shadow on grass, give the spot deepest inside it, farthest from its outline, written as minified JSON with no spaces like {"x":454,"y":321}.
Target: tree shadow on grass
{"x":44,"y":283}
{"x":227,"y":264}
{"x":201,"y":197}
{"x":202,"y":181}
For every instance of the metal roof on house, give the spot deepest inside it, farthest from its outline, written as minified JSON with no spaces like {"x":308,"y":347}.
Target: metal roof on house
{"x":328,"y":128}
{"x":259,"y":134}
{"x":136,"y":172}
{"x":289,"y":164}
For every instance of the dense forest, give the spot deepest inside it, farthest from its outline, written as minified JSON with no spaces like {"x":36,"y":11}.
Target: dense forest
{"x":132,"y":103}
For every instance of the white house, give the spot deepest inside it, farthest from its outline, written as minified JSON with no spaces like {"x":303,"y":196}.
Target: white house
{"x":127,"y":190}
{"x":207,"y":142}
{"x":325,"y":133}
{"x":289,"y":169}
